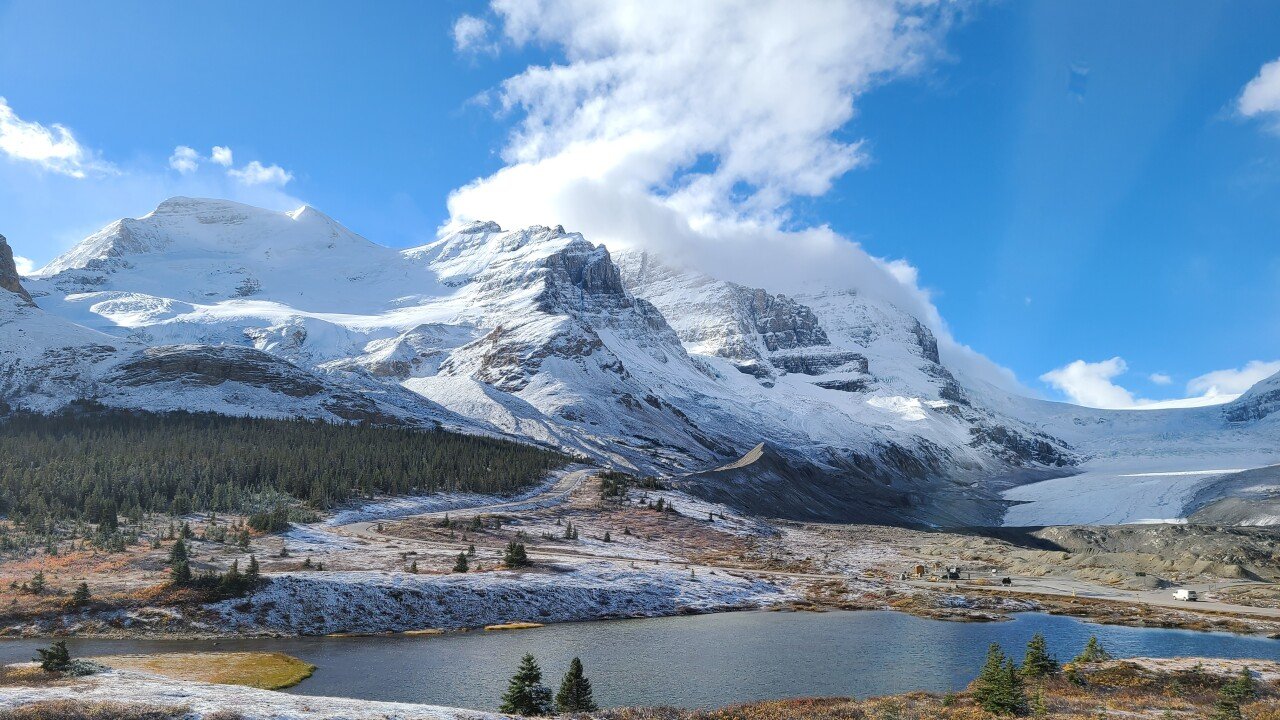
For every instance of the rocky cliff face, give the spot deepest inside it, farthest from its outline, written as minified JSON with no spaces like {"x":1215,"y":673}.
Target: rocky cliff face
{"x":9,"y":278}
{"x":1261,"y":401}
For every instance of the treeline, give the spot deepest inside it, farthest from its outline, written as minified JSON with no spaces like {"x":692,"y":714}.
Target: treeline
{"x":95,"y":467}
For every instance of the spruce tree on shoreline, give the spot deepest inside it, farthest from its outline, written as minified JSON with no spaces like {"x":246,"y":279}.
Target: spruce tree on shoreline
{"x":526,"y":695}
{"x":999,"y":687}
{"x":575,"y":691}
{"x":1038,"y":662}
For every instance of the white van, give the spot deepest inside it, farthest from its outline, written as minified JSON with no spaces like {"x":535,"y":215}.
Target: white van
{"x":1187,"y":595}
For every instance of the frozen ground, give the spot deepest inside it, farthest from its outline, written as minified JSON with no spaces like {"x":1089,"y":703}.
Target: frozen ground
{"x":399,"y":507}
{"x":203,"y":700}
{"x":319,"y":603}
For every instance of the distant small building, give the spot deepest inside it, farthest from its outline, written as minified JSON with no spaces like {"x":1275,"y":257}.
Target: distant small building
{"x":919,"y":570}
{"x":952,"y":573}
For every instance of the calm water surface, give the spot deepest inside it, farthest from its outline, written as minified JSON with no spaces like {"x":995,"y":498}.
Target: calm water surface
{"x":695,"y":661}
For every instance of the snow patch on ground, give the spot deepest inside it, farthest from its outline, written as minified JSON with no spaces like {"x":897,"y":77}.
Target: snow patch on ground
{"x":205,"y":699}
{"x":400,"y":507}
{"x":319,"y":603}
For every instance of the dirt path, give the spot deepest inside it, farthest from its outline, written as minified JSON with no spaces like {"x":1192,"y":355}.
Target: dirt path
{"x":557,"y":494}
{"x":1067,"y":587}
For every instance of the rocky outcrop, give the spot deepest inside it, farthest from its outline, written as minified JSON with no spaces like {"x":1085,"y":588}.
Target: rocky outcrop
{"x":1261,"y":401}
{"x":215,"y":365}
{"x":820,"y":364}
{"x":9,"y":278}
{"x":781,"y":323}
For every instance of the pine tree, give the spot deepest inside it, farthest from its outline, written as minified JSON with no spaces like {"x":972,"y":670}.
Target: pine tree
{"x":180,"y":572}
{"x":81,"y":596}
{"x":999,"y":687}
{"x":38,"y":583}
{"x":413,"y":567}
{"x":1038,"y":662}
{"x":575,"y":691}
{"x":1242,"y":688}
{"x":1093,"y":652}
{"x":607,"y":538}
{"x":526,"y":695}
{"x":232,"y":581}
{"x":515,"y":555}
{"x":56,"y":659}
{"x":252,"y":573}
{"x":460,"y":566}
{"x":1226,"y":708}
{"x":178,"y":553}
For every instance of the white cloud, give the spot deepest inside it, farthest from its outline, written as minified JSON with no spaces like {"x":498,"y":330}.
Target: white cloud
{"x":53,"y":148}
{"x":1089,"y":384}
{"x":688,"y":128}
{"x":255,"y":173}
{"x":221,"y":155}
{"x":184,"y":159}
{"x":1261,"y":97}
{"x":24,"y":265}
{"x":471,"y":33}
{"x":1233,"y":381}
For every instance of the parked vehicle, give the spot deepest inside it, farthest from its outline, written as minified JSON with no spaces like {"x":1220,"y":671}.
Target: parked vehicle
{"x":1187,"y":595}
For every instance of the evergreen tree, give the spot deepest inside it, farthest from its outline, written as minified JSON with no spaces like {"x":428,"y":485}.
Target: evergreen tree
{"x":606,"y":536}
{"x":1093,"y":652}
{"x":1038,"y":662}
{"x":460,"y":566}
{"x":413,"y":567}
{"x":526,"y":695}
{"x":252,"y":573}
{"x":178,"y":553}
{"x":575,"y":691}
{"x":1242,"y":688}
{"x":232,"y":581}
{"x":56,"y":659}
{"x":1226,"y":708}
{"x":81,"y":596}
{"x":999,"y":687}
{"x":38,"y":583}
{"x":180,"y":572}
{"x":515,"y":555}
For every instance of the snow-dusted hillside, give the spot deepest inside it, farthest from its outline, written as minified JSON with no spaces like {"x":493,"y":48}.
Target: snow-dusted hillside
{"x":539,"y":334}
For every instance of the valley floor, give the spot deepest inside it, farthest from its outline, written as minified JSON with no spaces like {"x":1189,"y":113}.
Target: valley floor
{"x":387,"y":566}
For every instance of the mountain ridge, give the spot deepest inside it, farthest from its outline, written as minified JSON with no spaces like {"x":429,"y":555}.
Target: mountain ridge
{"x":540,"y":334}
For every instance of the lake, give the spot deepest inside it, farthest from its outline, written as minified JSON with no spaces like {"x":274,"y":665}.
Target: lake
{"x":690,"y":661}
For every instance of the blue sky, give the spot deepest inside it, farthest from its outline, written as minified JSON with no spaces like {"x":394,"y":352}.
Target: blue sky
{"x":1070,"y":181}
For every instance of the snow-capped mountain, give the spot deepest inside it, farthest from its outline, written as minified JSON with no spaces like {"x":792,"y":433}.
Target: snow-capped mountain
{"x":537,"y":334}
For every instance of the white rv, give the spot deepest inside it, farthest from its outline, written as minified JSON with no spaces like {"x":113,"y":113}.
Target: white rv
{"x":1187,"y":595}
